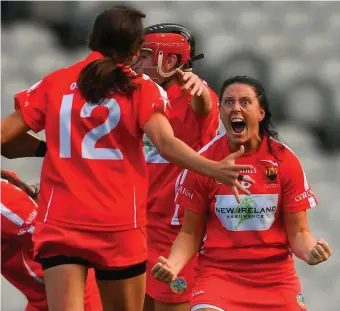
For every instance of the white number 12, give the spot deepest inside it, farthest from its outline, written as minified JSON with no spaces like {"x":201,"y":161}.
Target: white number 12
{"x":88,"y":149}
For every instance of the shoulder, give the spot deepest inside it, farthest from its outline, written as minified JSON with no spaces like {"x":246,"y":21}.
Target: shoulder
{"x":288,"y":159}
{"x":213,"y":94}
{"x":146,"y":81}
{"x":147,"y":85}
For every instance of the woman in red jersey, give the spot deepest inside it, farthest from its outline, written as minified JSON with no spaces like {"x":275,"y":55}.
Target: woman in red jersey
{"x":92,"y":206}
{"x":194,"y":119}
{"x":245,"y":262}
{"x":18,"y":216}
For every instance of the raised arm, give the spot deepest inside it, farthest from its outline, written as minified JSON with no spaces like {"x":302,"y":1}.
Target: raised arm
{"x":160,"y":132}
{"x":12,"y":127}
{"x":201,"y":99}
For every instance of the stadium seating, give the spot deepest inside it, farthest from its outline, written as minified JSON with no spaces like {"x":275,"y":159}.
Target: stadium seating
{"x":292,"y":47}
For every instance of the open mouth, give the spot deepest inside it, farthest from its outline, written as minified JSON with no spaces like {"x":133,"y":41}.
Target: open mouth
{"x":238,"y":125}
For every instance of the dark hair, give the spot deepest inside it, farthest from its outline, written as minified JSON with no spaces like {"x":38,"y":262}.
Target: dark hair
{"x":266,"y":126}
{"x":31,"y":191}
{"x":117,"y":34}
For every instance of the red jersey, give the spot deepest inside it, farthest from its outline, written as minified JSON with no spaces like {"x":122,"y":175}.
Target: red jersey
{"x":94,"y":174}
{"x":249,"y":236}
{"x":18,"y":216}
{"x":195,"y":131}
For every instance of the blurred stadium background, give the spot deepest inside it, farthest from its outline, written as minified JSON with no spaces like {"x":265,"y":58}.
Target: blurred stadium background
{"x":292,"y":47}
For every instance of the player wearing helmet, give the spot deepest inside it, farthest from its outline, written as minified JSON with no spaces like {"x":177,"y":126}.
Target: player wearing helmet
{"x":167,"y":56}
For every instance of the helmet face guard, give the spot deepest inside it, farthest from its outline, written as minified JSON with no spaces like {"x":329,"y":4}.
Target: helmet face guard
{"x":166,"y":39}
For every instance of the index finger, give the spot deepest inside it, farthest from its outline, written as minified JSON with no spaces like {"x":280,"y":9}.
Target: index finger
{"x":240,"y":187}
{"x":180,"y":72}
{"x":236,"y":194}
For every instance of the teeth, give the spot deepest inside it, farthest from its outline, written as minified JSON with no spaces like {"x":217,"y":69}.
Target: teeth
{"x":237,"y":120}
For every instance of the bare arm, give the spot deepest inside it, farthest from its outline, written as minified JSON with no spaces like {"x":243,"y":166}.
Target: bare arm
{"x":201,"y":99}
{"x":301,"y":240}
{"x":201,"y":104}
{"x":25,"y":145}
{"x":12,"y":127}
{"x":185,"y":247}
{"x":160,"y":132}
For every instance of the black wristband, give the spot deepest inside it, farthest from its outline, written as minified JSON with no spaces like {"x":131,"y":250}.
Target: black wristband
{"x":41,"y":150}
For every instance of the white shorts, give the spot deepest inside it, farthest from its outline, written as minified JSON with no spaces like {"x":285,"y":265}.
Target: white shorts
{"x":205,"y":306}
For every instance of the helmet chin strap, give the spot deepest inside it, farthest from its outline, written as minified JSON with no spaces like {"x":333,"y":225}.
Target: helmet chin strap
{"x":159,"y":67}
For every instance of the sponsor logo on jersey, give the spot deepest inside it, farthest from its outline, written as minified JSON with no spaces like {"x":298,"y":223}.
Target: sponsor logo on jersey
{"x":270,"y":161}
{"x":252,"y":171}
{"x":304,"y":195}
{"x":25,"y":228}
{"x":148,"y":145}
{"x":301,"y":300}
{"x":255,"y":212}
{"x":186,"y":192}
{"x":243,"y":172}
{"x":151,"y":153}
{"x":200,"y":292}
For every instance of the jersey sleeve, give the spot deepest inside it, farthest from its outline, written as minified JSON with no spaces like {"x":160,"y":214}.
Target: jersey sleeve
{"x":33,"y":105}
{"x":153,"y":98}
{"x":193,"y":192}
{"x":18,"y":211}
{"x":297,"y":194}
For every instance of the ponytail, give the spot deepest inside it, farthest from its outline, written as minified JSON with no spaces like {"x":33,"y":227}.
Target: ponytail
{"x":102,"y":76}
{"x":31,"y":191}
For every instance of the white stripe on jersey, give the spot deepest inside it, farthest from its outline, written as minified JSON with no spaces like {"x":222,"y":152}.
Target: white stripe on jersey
{"x":181,"y":178}
{"x":48,"y":205}
{"x":30,"y":271}
{"x":203,"y":149}
{"x":305,"y":182}
{"x":134,"y":207}
{"x":16,"y":219}
{"x":312,"y":202}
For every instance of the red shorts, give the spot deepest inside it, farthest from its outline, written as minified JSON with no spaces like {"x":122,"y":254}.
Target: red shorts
{"x":230,"y":292}
{"x":158,"y":246}
{"x":104,"y":250}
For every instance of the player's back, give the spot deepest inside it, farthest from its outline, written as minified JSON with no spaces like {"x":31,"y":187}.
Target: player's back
{"x":94,"y":174}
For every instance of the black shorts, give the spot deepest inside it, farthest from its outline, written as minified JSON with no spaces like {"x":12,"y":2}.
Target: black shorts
{"x":101,"y":275}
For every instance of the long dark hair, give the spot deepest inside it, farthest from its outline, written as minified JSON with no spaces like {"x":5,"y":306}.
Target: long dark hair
{"x":31,"y":191}
{"x":266,"y":127}
{"x":117,"y":34}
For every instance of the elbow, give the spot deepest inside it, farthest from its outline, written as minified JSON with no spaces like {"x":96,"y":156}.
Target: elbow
{"x":4,"y":138}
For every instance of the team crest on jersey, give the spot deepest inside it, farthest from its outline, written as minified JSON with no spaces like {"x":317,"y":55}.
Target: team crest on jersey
{"x":271,"y":173}
{"x":301,"y":300}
